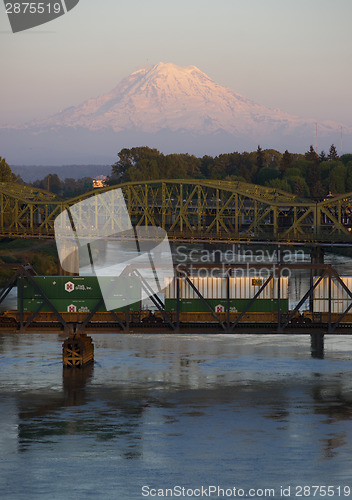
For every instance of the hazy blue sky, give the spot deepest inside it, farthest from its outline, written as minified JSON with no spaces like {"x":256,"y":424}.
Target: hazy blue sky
{"x":291,"y":54}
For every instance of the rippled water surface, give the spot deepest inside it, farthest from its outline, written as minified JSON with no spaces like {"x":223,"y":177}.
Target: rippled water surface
{"x":166,"y":410}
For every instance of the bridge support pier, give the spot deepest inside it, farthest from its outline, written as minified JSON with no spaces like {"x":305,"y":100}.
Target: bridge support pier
{"x":317,"y":345}
{"x":316,"y":258}
{"x":77,"y":350}
{"x":316,"y":339}
{"x":317,"y":255}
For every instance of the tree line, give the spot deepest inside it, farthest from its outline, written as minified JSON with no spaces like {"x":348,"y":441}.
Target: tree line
{"x":67,"y":188}
{"x":307,"y":175}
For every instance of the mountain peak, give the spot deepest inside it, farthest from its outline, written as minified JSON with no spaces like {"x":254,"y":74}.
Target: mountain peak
{"x":167,"y":68}
{"x":152,"y":98}
{"x":174,"y":108}
{"x":171,"y":69}
{"x":175,"y":98}
{"x":165,"y":80}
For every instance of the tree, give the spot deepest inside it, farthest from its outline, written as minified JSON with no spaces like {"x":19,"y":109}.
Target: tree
{"x":69,"y":187}
{"x":6,"y":174}
{"x":185,"y":166}
{"x":273,"y":158}
{"x":322,"y":156}
{"x":260,"y":158}
{"x":52,"y":183}
{"x":43,"y":263}
{"x":206,"y":166}
{"x":293,"y":172}
{"x":235,"y":178}
{"x":246,"y":167}
{"x":332,"y":156}
{"x":220,"y":167}
{"x":281,"y":184}
{"x":346,"y":158}
{"x":314,"y":174}
{"x":349,"y":177}
{"x":132,"y":159}
{"x":83,"y":185}
{"x":266,"y":174}
{"x":299,"y":186}
{"x":302,"y":164}
{"x":286,"y":161}
{"x":311,"y":155}
{"x":314,"y":181}
{"x":326,"y":167}
{"x":338,"y":178}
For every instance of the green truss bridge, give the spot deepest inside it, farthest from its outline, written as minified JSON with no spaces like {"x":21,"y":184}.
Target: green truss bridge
{"x":193,"y":210}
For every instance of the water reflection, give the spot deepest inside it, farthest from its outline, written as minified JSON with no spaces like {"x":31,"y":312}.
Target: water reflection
{"x":336,"y":407}
{"x":333,"y":402}
{"x":74,"y":384}
{"x":120,"y":415}
{"x":161,"y":409}
{"x":103,"y":415}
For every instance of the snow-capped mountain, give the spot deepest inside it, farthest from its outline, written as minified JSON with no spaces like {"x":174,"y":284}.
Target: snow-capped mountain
{"x":174,"y":108}
{"x":166,"y":96}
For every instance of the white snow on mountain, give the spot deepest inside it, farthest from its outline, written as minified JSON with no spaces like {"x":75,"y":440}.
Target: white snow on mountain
{"x":176,"y":109}
{"x":167,"y":96}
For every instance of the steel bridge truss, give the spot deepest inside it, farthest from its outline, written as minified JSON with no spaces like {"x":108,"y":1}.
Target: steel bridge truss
{"x":192,"y":210}
{"x":292,"y":322}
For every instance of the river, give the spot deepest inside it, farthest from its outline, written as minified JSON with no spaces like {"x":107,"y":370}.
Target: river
{"x":160,"y":411}
{"x":177,"y":415}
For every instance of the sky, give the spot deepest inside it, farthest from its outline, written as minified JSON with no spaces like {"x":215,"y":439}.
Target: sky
{"x":289,"y":54}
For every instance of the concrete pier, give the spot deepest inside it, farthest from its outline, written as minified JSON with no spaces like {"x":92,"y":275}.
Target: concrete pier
{"x":317,"y":345}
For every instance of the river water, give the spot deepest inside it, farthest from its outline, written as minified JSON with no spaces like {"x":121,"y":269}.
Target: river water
{"x":157,"y":413}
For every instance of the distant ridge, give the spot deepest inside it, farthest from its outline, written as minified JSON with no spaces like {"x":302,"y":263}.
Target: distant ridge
{"x":30,"y":173}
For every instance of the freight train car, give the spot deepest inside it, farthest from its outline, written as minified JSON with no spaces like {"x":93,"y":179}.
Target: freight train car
{"x":214,"y":292}
{"x":76,"y":294}
{"x":340,"y":299}
{"x":80,"y":295}
{"x":323,"y":307}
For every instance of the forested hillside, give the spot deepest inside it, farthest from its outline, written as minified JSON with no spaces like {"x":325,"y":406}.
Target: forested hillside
{"x":308,"y":175}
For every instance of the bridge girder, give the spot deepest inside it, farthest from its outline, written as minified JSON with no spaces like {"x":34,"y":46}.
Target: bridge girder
{"x":193,"y":210}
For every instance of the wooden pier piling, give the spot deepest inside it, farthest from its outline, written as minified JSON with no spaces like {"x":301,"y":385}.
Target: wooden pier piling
{"x":77,"y":350}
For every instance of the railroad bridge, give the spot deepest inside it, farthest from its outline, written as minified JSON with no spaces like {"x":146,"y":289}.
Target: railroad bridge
{"x":193,"y":210}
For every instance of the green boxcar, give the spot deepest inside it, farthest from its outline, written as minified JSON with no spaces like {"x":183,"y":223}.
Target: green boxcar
{"x":74,"y":305}
{"x":80,"y":292}
{"x":220,"y":305}
{"x":63,"y":286}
